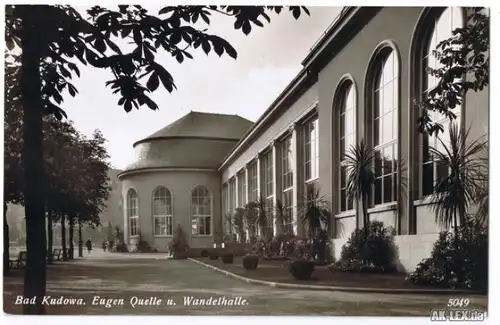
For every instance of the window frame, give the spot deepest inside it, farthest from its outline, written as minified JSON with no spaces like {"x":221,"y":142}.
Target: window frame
{"x":133,"y":215}
{"x":428,"y":35}
{"x":347,"y":87}
{"x":167,"y":217}
{"x":199,"y":216}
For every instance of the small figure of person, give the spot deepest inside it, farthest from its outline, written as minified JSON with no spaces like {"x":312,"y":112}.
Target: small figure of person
{"x":104,"y":245}
{"x":89,"y":245}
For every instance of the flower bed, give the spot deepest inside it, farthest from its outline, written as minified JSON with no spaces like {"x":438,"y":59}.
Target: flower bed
{"x":278,"y":271}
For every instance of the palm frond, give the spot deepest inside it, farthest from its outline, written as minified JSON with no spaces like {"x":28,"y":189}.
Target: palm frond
{"x":360,"y":175}
{"x":315,"y":213}
{"x":454,"y":192}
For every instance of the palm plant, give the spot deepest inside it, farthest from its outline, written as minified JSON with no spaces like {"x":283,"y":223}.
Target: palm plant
{"x":283,"y":218}
{"x":263,"y":218}
{"x":360,"y":176}
{"x":315,"y":215}
{"x":251,"y":215}
{"x":228,"y":227}
{"x":455,"y":191}
{"x":238,"y":221}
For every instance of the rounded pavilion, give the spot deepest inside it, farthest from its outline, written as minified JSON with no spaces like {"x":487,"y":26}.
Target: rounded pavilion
{"x":175,"y":180}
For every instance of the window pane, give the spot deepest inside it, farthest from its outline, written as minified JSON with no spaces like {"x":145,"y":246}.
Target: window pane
{"x":378,"y":191}
{"x":342,"y":200}
{"x":387,"y":183}
{"x":376,"y":132}
{"x":378,"y":164}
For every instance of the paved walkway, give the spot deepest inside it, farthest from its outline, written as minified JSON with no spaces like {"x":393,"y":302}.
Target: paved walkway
{"x":125,"y":276}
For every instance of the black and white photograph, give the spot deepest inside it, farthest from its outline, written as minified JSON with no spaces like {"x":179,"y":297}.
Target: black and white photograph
{"x":247,"y":160}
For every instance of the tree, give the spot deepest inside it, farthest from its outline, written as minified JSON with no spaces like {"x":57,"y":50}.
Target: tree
{"x":360,"y":176}
{"x":238,"y":221}
{"x":60,"y":36}
{"x":464,"y":65}
{"x":455,"y":190}
{"x":283,"y":218}
{"x":13,"y":170}
{"x":315,"y":215}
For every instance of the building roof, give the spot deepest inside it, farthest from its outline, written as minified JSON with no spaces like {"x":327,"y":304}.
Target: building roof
{"x":203,"y":125}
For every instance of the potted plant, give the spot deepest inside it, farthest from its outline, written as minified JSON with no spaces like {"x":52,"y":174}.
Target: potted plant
{"x":179,"y":246}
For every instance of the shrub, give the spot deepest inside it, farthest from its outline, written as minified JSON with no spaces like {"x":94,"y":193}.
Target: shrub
{"x":143,"y":246}
{"x":369,"y":249}
{"x":179,"y":242}
{"x":302,"y":270}
{"x":458,"y":260}
{"x":250,"y":262}
{"x":303,"y":249}
{"x":121,"y":248}
{"x":154,"y":250}
{"x":214,"y":256}
{"x":227,"y":258}
{"x":204,"y":253}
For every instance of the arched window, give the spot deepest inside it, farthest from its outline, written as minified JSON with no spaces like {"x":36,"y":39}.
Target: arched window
{"x":201,"y":211}
{"x":133,"y":212}
{"x":386,"y":126}
{"x":442,"y":27}
{"x":162,"y":211}
{"x":347,"y":137}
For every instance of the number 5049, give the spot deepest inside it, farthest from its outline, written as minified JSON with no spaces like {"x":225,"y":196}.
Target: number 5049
{"x":458,"y":302}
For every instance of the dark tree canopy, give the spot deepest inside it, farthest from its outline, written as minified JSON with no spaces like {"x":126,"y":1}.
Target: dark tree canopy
{"x":65,"y":38}
{"x":464,"y":66}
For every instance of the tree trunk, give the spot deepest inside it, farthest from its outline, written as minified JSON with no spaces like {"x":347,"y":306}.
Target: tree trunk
{"x":6,"y":251}
{"x":71,"y":235}
{"x":35,"y":275}
{"x":50,"y":237}
{"x":80,"y":240}
{"x":63,"y":237}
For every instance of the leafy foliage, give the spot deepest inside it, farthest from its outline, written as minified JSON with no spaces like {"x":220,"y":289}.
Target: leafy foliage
{"x":360,"y":177}
{"x":283,"y":218}
{"x":454,"y":192}
{"x":179,"y":243}
{"x":64,"y":37}
{"x":463,"y":66}
{"x":459,"y":259}
{"x":371,"y":248}
{"x":238,"y":222}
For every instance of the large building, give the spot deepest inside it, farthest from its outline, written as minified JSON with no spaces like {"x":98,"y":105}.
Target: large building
{"x":358,"y":82}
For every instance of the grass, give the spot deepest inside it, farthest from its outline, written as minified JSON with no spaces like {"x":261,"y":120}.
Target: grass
{"x":278,"y":271}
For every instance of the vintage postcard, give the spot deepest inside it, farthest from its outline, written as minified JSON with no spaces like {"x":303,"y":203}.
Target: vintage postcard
{"x":246,"y":160}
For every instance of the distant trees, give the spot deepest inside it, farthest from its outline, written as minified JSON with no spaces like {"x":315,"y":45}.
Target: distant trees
{"x":75,"y":167}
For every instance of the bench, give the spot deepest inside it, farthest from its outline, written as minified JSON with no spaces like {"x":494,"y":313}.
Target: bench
{"x":20,"y":262}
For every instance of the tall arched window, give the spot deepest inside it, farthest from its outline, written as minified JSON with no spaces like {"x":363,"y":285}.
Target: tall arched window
{"x":133,"y":212}
{"x":162,"y":211}
{"x":201,"y":211}
{"x":442,"y":27}
{"x":347,"y":137}
{"x":385,"y":126}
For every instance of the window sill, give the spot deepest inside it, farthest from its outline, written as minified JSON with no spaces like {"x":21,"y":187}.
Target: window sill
{"x":162,"y":236}
{"x":383,"y":207}
{"x":201,"y":235}
{"x":345,"y":214}
{"x":427,"y":200}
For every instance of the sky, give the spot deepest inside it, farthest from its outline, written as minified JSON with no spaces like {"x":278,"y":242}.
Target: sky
{"x":268,"y":59}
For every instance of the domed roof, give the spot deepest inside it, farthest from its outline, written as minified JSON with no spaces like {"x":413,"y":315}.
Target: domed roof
{"x":203,"y":125}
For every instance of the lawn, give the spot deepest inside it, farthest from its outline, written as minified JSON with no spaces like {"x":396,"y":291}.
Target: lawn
{"x":278,"y":271}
